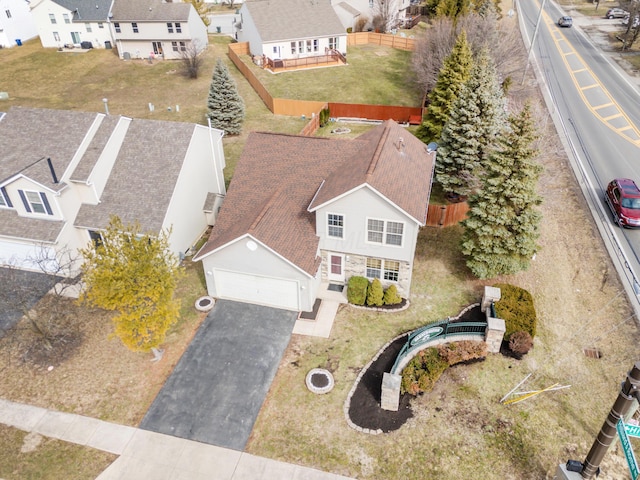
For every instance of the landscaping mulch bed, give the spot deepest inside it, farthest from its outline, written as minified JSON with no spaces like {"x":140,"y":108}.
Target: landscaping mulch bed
{"x":364,"y":408}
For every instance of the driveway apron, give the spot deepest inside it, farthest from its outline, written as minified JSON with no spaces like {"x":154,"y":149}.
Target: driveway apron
{"x":217,"y":389}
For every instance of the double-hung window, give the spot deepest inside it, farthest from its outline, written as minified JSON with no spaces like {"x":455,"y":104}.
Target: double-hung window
{"x":35,"y":202}
{"x":384,"y":232}
{"x":134,"y":26}
{"x":66,"y":18}
{"x":116,"y":25}
{"x":52,"y":19}
{"x":170,"y":27}
{"x":178,"y":28}
{"x":333,"y":43}
{"x":383,"y":269}
{"x":88,"y":27}
{"x":335,"y":225}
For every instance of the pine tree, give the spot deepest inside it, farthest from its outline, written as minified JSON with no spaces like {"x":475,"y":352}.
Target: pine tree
{"x":226,"y":108}
{"x":502,"y":227}
{"x":134,"y":274}
{"x":454,"y":73}
{"x":476,"y":118}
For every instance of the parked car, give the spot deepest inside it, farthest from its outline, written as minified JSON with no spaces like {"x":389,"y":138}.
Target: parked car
{"x":565,"y":21}
{"x":623,"y":198}
{"x":616,"y":13}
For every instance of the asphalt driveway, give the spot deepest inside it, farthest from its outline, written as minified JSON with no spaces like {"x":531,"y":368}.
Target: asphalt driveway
{"x":217,"y":389}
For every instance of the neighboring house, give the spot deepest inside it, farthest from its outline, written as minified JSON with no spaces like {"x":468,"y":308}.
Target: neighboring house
{"x":156,"y":28}
{"x":302,"y":212}
{"x":350,"y":11}
{"x":72,"y":22}
{"x":283,"y":29}
{"x":64,"y":173}
{"x":16,"y":23}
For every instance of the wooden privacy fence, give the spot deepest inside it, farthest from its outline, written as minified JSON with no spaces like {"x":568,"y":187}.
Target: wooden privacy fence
{"x":446,"y":215}
{"x":393,"y":41}
{"x":374,"y":112}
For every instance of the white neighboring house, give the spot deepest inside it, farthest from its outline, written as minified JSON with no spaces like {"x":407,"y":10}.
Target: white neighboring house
{"x":156,"y":28}
{"x":71,"y":22}
{"x":306,"y":212}
{"x":64,"y":173}
{"x":16,"y":23}
{"x":350,"y":11}
{"x":283,"y":29}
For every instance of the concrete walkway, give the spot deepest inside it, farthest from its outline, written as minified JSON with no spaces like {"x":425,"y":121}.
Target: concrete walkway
{"x":146,"y":454}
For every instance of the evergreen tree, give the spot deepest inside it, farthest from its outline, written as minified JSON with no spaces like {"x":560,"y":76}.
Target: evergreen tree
{"x":453,"y":74}
{"x":226,"y":108}
{"x":503,"y":222}
{"x":134,"y":274}
{"x":477,"y":116}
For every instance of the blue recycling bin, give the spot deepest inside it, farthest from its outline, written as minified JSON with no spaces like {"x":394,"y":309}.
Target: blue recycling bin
{"x":18,"y":42}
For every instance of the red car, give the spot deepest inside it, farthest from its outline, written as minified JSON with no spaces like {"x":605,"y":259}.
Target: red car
{"x":623,"y":198}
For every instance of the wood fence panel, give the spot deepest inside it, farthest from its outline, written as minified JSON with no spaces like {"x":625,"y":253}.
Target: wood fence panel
{"x":446,"y":215}
{"x":373,"y":112}
{"x":296,"y":108}
{"x":311,"y":127}
{"x":262,"y":92}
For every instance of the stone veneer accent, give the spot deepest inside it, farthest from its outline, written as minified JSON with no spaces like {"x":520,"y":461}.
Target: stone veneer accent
{"x":357,"y":265}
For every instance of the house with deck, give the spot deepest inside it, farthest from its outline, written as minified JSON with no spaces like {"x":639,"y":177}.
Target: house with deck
{"x":303,"y":213}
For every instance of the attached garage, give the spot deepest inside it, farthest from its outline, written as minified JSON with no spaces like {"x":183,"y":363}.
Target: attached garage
{"x":26,"y":256}
{"x":269,"y":291}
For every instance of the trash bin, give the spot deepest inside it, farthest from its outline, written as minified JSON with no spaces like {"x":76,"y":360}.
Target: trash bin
{"x":18,"y":42}
{"x":107,"y":45}
{"x":218,"y":29}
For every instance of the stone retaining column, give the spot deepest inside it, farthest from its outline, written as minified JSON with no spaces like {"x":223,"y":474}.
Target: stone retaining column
{"x":390,"y":397}
{"x":494,"y":334}
{"x":491,"y":294}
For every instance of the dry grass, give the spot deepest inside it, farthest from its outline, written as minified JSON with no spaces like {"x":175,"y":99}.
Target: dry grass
{"x":31,"y":456}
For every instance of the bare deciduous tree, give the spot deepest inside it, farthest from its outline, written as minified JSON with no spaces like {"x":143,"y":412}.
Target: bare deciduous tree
{"x":385,"y":15}
{"x":502,"y":40}
{"x":191,"y":59}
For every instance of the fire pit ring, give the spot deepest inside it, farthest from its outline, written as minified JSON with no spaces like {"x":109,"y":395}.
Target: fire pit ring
{"x":319,"y":381}
{"x":204,"y":304}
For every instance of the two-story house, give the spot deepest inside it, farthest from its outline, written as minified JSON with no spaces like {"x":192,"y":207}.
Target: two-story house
{"x":352,"y":11}
{"x":283,"y":29}
{"x":304,"y":212}
{"x":16,"y":23}
{"x":72,"y":22}
{"x":156,"y":28}
{"x":64,"y":173}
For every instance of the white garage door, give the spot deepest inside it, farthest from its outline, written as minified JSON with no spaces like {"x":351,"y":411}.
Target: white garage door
{"x":27,"y":257}
{"x":273,"y":292}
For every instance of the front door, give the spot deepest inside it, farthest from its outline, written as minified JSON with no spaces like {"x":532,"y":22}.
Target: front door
{"x":336,"y":267}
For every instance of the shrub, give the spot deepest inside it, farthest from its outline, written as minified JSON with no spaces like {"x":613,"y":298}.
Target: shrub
{"x":516,"y":308}
{"x":324,"y":117}
{"x":349,"y":30}
{"x":375,"y":293}
{"x":520,"y":343}
{"x":422,"y":372}
{"x":361,"y":22}
{"x":391,"y":296}
{"x":357,"y":290}
{"x":458,"y":352}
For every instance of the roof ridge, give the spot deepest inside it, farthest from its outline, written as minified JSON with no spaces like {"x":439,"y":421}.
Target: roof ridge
{"x":265,"y":209}
{"x":376,"y":155}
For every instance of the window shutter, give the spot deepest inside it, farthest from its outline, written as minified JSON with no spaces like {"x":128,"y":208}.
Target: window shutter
{"x":6,"y":197}
{"x":47,"y":207}
{"x":27,"y":207}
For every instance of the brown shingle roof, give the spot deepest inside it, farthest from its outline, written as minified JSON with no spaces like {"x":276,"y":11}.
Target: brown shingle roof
{"x":294,"y":19}
{"x":28,"y":228}
{"x":278,"y":175}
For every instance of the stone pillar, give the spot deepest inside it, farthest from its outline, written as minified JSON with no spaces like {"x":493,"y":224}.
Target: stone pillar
{"x":491,"y":294}
{"x":494,"y":334}
{"x":390,"y":398}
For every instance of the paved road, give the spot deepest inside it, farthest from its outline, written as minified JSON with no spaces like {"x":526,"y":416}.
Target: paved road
{"x":598,"y":108}
{"x":219,"y":385}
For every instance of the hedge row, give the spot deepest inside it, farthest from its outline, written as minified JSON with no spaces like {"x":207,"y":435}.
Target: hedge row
{"x":362,"y":292}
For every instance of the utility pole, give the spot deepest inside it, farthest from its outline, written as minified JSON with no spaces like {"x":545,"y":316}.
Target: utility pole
{"x":533,"y":41}
{"x":629,"y":391}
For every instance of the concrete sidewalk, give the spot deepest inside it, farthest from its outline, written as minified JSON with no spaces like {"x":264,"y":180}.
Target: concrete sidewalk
{"x":146,"y":454}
